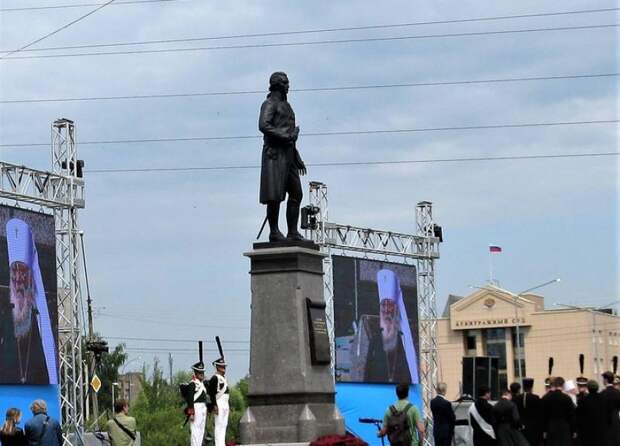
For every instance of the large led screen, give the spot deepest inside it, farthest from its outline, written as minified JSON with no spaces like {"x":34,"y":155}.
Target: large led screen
{"x":28,"y":301}
{"x":375,"y":321}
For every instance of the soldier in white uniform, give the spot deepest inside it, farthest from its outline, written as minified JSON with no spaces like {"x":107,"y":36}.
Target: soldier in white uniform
{"x":219,"y":393}
{"x":196,"y":397}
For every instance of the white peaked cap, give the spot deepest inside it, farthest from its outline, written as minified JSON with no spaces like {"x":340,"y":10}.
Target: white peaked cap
{"x":388,"y":284}
{"x":569,"y":385}
{"x":19,"y":240}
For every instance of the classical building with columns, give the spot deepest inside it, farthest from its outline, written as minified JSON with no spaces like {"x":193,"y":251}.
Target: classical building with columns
{"x":485,"y":323}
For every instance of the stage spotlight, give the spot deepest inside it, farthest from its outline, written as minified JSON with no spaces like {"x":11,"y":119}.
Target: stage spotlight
{"x":438,"y":232}
{"x":308,"y":217}
{"x":79,"y":171}
{"x":98,"y":347}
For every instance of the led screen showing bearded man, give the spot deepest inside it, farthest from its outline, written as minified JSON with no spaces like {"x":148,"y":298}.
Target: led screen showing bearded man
{"x":375,"y":305}
{"x":27,"y":335}
{"x":398,"y":347}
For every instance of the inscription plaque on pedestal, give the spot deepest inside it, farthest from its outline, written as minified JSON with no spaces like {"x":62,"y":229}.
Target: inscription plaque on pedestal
{"x":319,"y":337}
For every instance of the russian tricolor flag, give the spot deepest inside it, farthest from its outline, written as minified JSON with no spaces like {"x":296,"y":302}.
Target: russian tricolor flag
{"x":495,"y":248}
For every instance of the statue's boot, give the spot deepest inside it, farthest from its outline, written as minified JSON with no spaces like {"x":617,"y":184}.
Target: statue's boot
{"x":292,"y":218}
{"x":273,"y":212}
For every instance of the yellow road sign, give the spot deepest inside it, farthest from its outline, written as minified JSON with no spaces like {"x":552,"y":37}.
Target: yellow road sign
{"x":95,"y":383}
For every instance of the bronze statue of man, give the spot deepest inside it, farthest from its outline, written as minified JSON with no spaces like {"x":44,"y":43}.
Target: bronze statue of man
{"x":281,"y":164}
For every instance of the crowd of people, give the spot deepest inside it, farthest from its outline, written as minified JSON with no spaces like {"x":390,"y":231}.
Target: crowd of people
{"x":43,"y":430}
{"x":569,"y":414}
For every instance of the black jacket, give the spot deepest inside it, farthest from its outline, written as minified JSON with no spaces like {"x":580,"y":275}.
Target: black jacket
{"x":612,"y":400}
{"x":486,"y":412}
{"x":16,"y":439}
{"x":559,"y":420}
{"x":592,"y":420}
{"x":529,"y":406}
{"x":277,"y":123}
{"x":443,"y":418}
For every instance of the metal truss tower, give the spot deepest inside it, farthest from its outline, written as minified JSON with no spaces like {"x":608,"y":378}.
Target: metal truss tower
{"x":427,"y":304}
{"x":423,"y":248}
{"x":66,"y":164}
{"x":62,"y":191}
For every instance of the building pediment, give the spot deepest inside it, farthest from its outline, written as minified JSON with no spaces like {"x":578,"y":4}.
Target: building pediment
{"x":490,"y":309}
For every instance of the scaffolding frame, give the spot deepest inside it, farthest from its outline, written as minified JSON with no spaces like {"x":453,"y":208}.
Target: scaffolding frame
{"x":62,"y":192}
{"x":421,"y":248}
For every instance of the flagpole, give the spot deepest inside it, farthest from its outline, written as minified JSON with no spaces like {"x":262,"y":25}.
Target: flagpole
{"x":490,"y":265}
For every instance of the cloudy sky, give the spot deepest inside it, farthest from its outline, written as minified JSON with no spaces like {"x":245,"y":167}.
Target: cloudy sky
{"x":164,"y":249}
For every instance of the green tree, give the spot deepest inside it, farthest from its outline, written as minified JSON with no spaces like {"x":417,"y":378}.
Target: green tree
{"x":107,"y":371}
{"x":238,"y":404}
{"x":159,"y":410}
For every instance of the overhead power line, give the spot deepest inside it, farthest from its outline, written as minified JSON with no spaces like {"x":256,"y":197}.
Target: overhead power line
{"x":158,"y":321}
{"x":126,"y":338}
{"x":336,"y":133}
{"x":364,"y":163}
{"x":84,"y":5}
{"x":319,"y":42}
{"x":317,"y":89}
{"x":322,"y":30}
{"x":56,"y":31}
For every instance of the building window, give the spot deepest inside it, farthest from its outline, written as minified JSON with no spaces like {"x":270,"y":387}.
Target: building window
{"x":519,"y":351}
{"x":470,"y":343}
{"x":496,"y":346}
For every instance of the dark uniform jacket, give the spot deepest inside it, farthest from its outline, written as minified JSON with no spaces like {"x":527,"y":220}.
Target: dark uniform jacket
{"x":529,"y":406}
{"x":213,"y":388}
{"x":507,"y":424}
{"x":188,"y":394}
{"x":592,"y":420}
{"x":443,"y":421}
{"x":279,"y":157}
{"x":612,"y":399}
{"x":486,"y":412}
{"x":558,"y":418}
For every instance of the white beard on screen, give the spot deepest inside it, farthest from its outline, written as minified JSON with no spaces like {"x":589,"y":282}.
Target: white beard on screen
{"x":22,"y":298}
{"x":389,"y":331}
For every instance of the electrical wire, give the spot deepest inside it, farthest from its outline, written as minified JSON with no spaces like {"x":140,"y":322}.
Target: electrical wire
{"x":319,"y":89}
{"x":336,"y":133}
{"x":319,"y":42}
{"x":156,"y":321}
{"x":321,"y":30}
{"x":127,"y":338}
{"x":56,"y":31}
{"x":84,"y":5}
{"x":362,"y":163}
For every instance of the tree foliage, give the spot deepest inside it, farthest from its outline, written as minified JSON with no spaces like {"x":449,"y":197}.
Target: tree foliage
{"x":107,"y":371}
{"x":159,"y":410}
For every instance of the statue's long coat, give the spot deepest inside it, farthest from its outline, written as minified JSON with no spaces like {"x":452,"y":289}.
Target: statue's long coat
{"x":279,"y":158}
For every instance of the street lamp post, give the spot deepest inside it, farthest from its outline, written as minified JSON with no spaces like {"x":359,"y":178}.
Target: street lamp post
{"x":113,"y":386}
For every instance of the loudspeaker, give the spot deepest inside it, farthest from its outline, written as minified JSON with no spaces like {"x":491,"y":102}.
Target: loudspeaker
{"x":480,"y":371}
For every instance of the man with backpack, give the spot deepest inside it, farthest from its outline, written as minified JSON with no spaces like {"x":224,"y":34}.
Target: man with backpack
{"x":121,"y":428}
{"x":401,"y":422}
{"x":41,"y":429}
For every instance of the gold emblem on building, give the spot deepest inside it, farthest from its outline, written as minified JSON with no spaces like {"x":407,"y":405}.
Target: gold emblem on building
{"x":489,"y":303}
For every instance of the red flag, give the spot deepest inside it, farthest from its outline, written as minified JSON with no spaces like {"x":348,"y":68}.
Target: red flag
{"x":495,"y":248}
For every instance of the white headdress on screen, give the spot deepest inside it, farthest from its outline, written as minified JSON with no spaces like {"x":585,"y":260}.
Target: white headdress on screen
{"x":22,"y":248}
{"x":389,"y":288}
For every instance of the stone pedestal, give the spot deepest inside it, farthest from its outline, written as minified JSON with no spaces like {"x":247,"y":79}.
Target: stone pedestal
{"x":291,"y":400}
